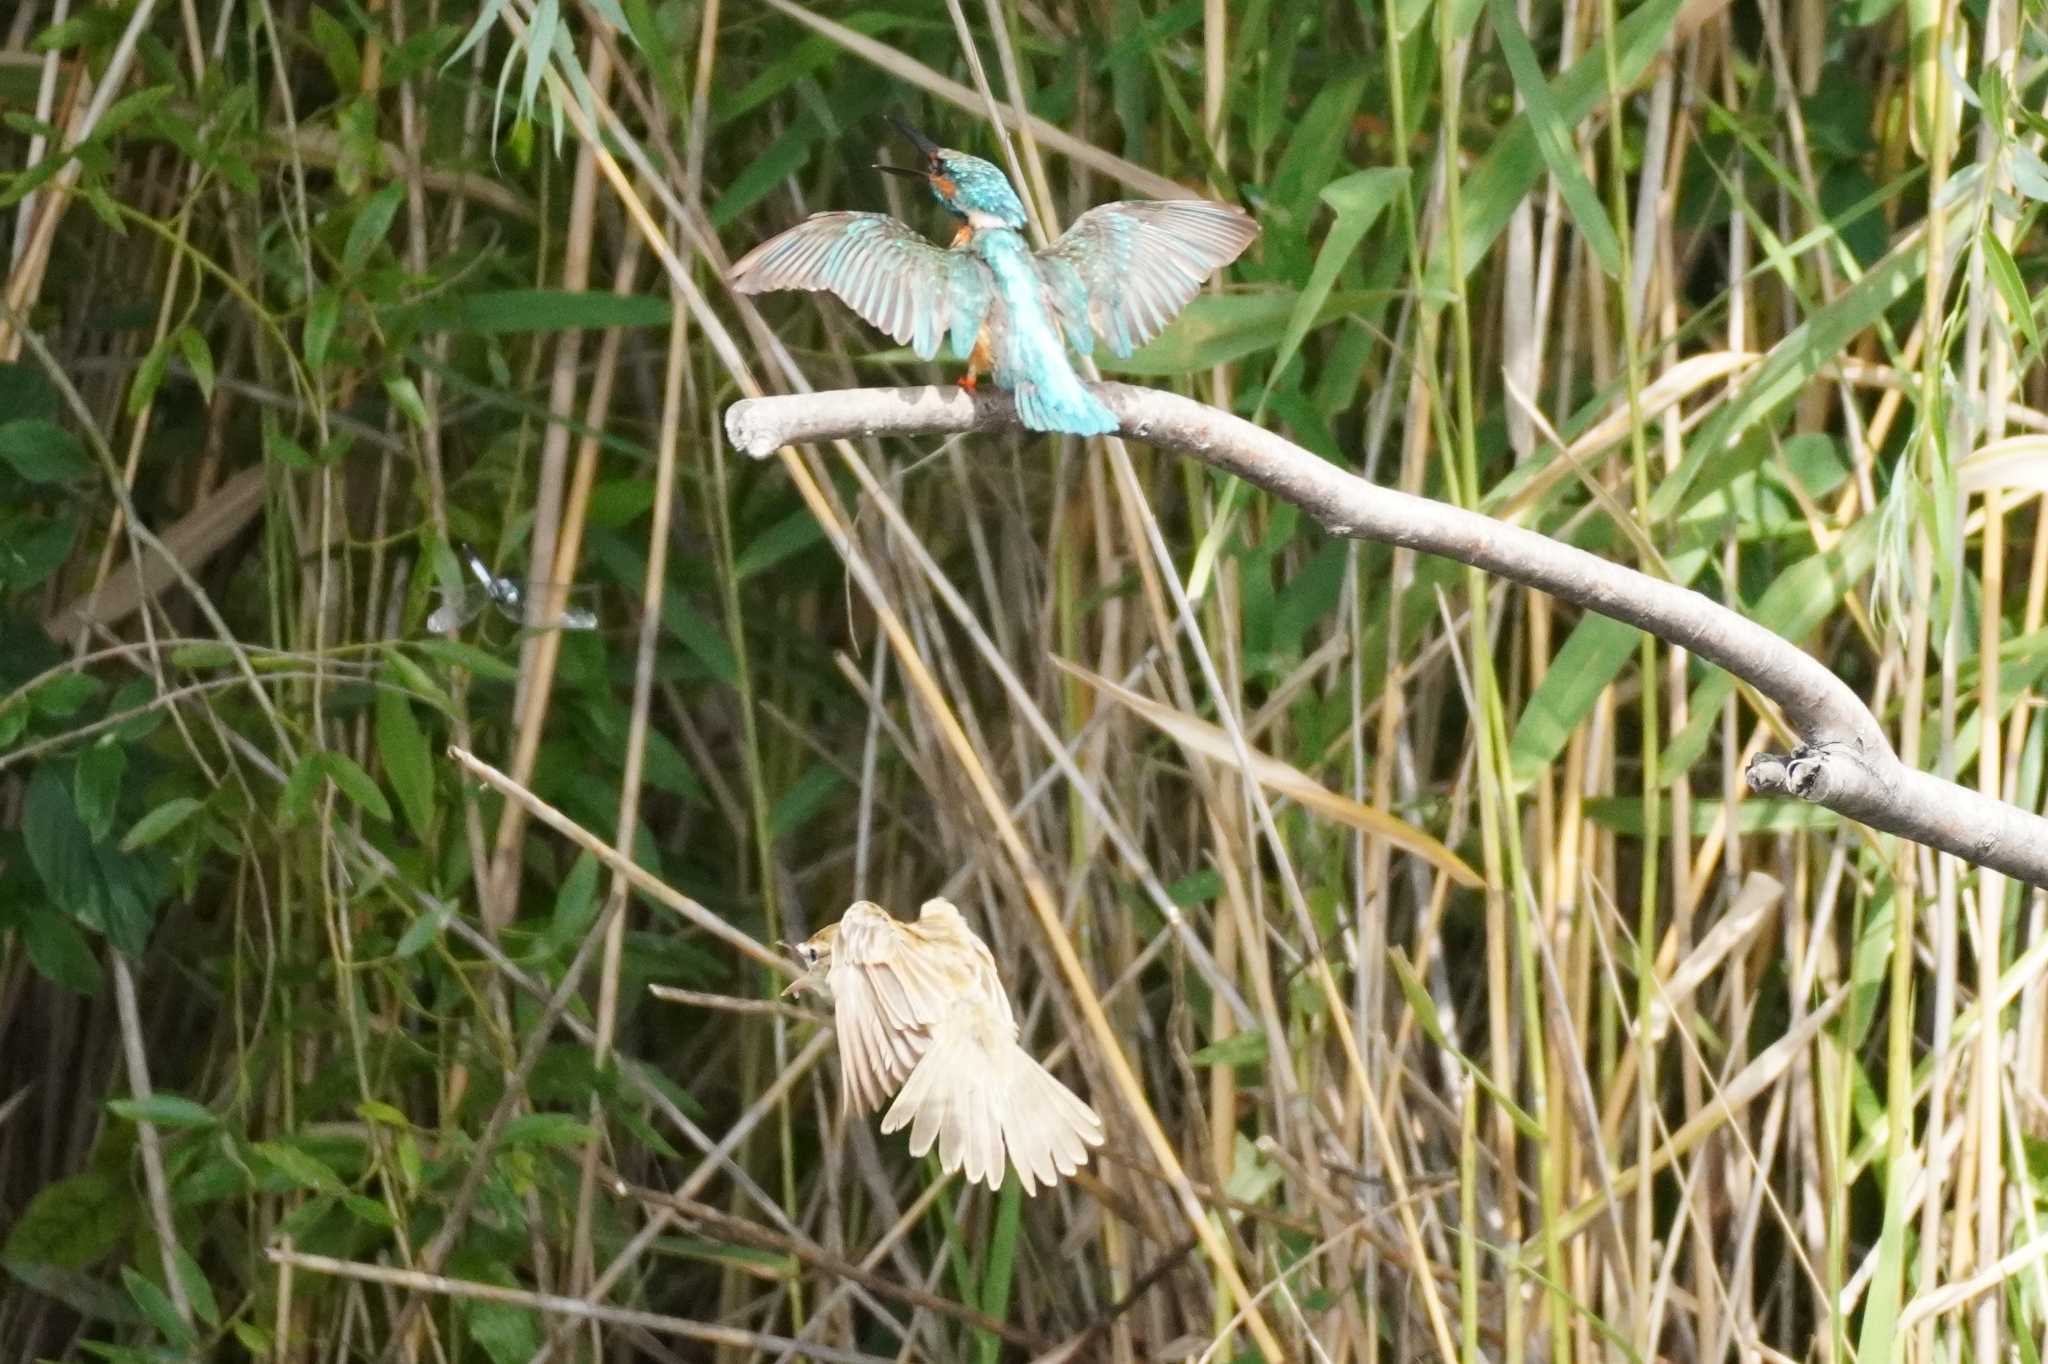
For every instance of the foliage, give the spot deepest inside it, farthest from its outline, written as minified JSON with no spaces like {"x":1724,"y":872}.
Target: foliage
{"x":301,"y":300}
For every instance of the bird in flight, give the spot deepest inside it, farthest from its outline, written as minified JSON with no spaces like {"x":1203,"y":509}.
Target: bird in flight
{"x":921,"y":1013}
{"x":1121,"y":272}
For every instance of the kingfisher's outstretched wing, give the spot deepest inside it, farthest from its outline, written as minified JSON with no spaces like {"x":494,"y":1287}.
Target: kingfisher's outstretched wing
{"x":918,"y":293}
{"x":1124,"y":270}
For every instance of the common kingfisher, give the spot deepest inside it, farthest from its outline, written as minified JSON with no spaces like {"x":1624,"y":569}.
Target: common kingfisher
{"x":1123,"y":270}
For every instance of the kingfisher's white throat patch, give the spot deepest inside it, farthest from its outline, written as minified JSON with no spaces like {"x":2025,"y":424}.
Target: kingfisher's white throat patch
{"x":981,"y":222}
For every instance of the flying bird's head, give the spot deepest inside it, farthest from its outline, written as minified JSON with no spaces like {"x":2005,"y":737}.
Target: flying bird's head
{"x":969,"y":187}
{"x":814,"y":954}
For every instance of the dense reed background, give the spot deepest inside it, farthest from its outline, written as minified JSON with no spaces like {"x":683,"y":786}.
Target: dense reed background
{"x":313,"y":1045}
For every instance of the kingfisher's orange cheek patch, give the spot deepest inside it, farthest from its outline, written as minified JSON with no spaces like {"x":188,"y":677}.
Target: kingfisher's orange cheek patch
{"x":945,"y":186}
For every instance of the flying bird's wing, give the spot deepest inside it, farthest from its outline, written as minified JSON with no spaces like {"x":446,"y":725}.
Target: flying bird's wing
{"x":975,"y":1093}
{"x":885,"y":999}
{"x":940,"y":924}
{"x":1126,"y":269}
{"x":918,"y":293}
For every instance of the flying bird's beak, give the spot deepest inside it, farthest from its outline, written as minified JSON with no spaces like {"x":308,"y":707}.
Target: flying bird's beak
{"x":801,"y":982}
{"x":903,"y":170}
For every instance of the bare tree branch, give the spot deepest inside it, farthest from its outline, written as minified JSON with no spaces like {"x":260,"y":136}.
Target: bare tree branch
{"x":1844,"y":762}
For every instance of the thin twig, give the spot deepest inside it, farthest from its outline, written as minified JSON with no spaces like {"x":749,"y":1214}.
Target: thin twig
{"x":570,"y":1307}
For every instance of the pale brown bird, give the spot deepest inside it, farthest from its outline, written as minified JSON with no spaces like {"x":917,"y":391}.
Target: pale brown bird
{"x":919,"y":1006}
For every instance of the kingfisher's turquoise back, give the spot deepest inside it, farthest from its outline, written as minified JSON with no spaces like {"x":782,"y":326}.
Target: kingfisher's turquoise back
{"x":1025,"y":341}
{"x":1120,"y":272}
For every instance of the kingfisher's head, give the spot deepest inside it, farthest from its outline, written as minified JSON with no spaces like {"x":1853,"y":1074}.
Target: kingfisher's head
{"x":969,"y":187}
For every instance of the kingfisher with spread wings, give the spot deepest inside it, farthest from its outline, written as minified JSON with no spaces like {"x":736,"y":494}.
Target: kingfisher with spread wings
{"x":1121,"y":272}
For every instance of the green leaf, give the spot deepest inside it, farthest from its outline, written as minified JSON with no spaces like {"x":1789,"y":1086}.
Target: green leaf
{"x":796,"y":532}
{"x":1358,"y":200}
{"x":508,"y":1334}
{"x":102,"y":889}
{"x":369,"y":1210}
{"x":1424,"y":1010}
{"x":149,"y":376}
{"x":803,"y":800}
{"x":705,"y":641}
{"x":350,"y":779}
{"x":159,"y":822}
{"x":295,"y":802}
{"x":1595,"y":651}
{"x":1247,"y":1048}
{"x":769,"y":167}
{"x":33,"y":545}
{"x":323,"y":315}
{"x":373,"y":222}
{"x":337,"y":48}
{"x":2005,"y":274}
{"x":61,"y":697}
{"x":1217,"y":329}
{"x":198,"y":1291}
{"x":43,"y":452}
{"x":1554,"y":140}
{"x":548,"y":1129}
{"x":996,"y":1279}
{"x":198,"y":358}
{"x":304,"y":1170}
{"x":60,"y":953}
{"x":71,"y":1223}
{"x":454,"y":653}
{"x":1196,"y":888}
{"x":520,"y":312}
{"x":575,"y":904}
{"x":205,"y":654}
{"x":1510,"y":169}
{"x":423,"y":930}
{"x":405,"y":396}
{"x":129,"y":108}
{"x":165,"y":1109}
{"x":157,"y":1306}
{"x":97,"y":788}
{"x":1315,"y":146}
{"x":402,"y":746}
{"x":414,"y":679}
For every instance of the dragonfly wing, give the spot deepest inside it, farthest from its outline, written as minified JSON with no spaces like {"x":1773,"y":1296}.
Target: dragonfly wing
{"x":918,"y":293}
{"x":457,"y":609}
{"x":536,"y":616}
{"x":1124,"y":270}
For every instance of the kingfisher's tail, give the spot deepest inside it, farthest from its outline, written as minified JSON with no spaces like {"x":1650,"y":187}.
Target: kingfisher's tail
{"x":1061,"y":402}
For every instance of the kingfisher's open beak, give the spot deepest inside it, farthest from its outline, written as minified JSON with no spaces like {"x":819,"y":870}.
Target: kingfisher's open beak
{"x":925,"y":146}
{"x":903,"y":170}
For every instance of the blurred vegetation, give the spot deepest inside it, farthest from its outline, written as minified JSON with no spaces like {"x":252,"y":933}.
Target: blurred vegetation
{"x":313,"y":1045}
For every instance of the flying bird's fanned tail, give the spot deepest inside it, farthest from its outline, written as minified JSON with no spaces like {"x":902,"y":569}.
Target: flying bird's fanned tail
{"x":982,"y":1102}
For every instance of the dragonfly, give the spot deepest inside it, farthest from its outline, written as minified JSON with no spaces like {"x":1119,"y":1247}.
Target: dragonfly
{"x":459,"y":606}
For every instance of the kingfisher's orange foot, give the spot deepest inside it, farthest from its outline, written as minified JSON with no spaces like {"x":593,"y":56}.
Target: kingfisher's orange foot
{"x":969,"y":382}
